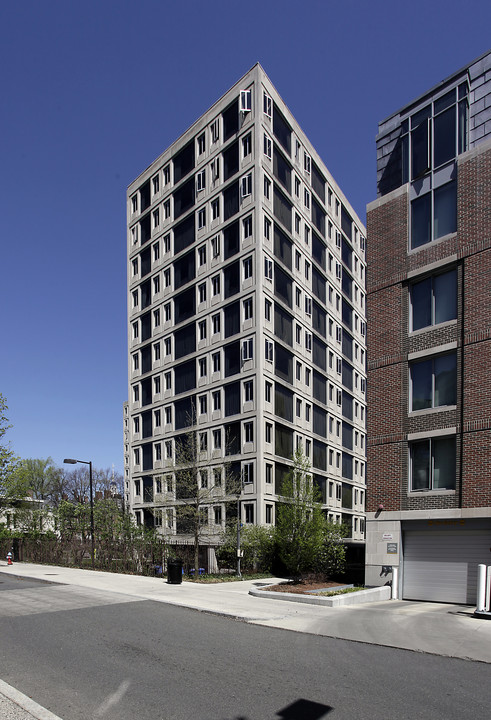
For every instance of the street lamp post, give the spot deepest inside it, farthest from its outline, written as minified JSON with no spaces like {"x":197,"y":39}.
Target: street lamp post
{"x":71,"y":461}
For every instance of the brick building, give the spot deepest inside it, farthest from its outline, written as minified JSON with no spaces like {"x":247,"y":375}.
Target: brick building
{"x":429,"y":342}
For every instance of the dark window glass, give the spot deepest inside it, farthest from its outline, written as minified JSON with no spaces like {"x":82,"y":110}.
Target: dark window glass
{"x":320,"y":489}
{"x":147,"y":483}
{"x":146,"y":388}
{"x":283,"y":363}
{"x":282,"y":247}
{"x":147,"y":459}
{"x":232,"y":358}
{"x":283,"y":325}
{"x":147,"y":424}
{"x":231,"y":279}
{"x":283,"y":441}
{"x":282,"y":130}
{"x":184,"y":198}
{"x":281,"y":473}
{"x":463,"y":112}
{"x":146,"y":358}
{"x":318,"y":319}
{"x":185,"y":377}
{"x":231,"y":161}
{"x":145,"y":229}
{"x":184,"y":234}
{"x":319,"y":285}
{"x":347,"y":375}
{"x":232,"y":319}
{"x":184,"y":162}
{"x":434,"y":382}
{"x":231,"y":201}
{"x":282,"y":208}
{"x":347,"y":345}
{"x":184,"y":269}
{"x":347,"y":284}
{"x":347,"y":314}
{"x":282,"y":170}
{"x":347,"y":405}
{"x":347,"y":438}
{"x":232,"y":440}
{"x":421,"y":221}
{"x":146,"y":326}
{"x":283,"y":402}
{"x":319,"y":455}
{"x":230,"y":120}
{"x":319,"y":352}
{"x":318,"y":182}
{"x":444,"y":134}
{"x":433,"y":464}
{"x":318,"y":250}
{"x":184,"y":305}
{"x":319,"y":421}
{"x":282,"y":285}
{"x":347,"y":466}
{"x":347,"y":496}
{"x":346,"y":252}
{"x":445,"y":210}
{"x":145,"y":294}
{"x":420,"y":138}
{"x":231,"y":240}
{"x":184,"y":411}
{"x":434,"y":300}
{"x":232,"y":399}
{"x":145,"y":196}
{"x":185,"y":341}
{"x":145,"y":262}
{"x":346,"y":222}
{"x":318,"y":217}
{"x":319,"y":387}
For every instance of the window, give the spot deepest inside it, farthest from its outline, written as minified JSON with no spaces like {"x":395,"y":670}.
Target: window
{"x":306,"y":163}
{"x":136,"y":425}
{"x":216,"y":362}
{"x":156,"y":318}
{"x":215,"y":321}
{"x":202,"y":367}
{"x":217,"y":477}
{"x":247,"y":306}
{"x":203,"y":442}
{"x":201,"y":218}
{"x":267,"y":391}
{"x":168,"y":381}
{"x":246,"y":145}
{"x":298,"y":334}
{"x":307,"y":377}
{"x":248,"y":473}
{"x":136,"y":362}
{"x":201,"y":144}
{"x":215,"y":209}
{"x":215,"y":285}
{"x":434,"y":300}
{"x":267,"y":105}
{"x":247,"y":226}
{"x":267,"y":309}
{"x":167,"y":312}
{"x":247,"y":268}
{"x":249,"y":511}
{"x":156,"y":384}
{"x":297,"y":223}
{"x":166,"y":173}
{"x":432,"y":464}
{"x":136,"y":456}
{"x":215,"y":130}
{"x":167,"y":280}
{"x":134,"y":266}
{"x":267,"y":228}
{"x":246,"y":186}
{"x":217,"y":439}
{"x":168,"y":454}
{"x":248,"y":432}
{"x":167,"y":209}
{"x":215,"y":170}
{"x":156,"y":351}
{"x":135,"y":330}
{"x":306,"y":199}
{"x":156,"y":284}
{"x":200,"y":181}
{"x":167,"y":346}
{"x":216,"y":399}
{"x":248,"y":391}
{"x":433,"y":382}
{"x":134,"y":204}
{"x":269,"y":433}
{"x":215,"y":246}
{"x":267,"y":146}
{"x":307,"y":412}
{"x":268,"y":269}
{"x":158,"y":451}
{"x":156,"y":218}
{"x":298,"y":407}
{"x":297,"y":186}
{"x":308,"y":341}
{"x":245,"y":100}
{"x":166,"y":243}
{"x":202,"y":329}
{"x":308,"y":306}
{"x":267,"y":188}
{"x":307,"y":270}
{"x":247,"y":349}
{"x":202,"y":293}
{"x":168,"y":415}
{"x":268,"y":350}
{"x":434,"y":215}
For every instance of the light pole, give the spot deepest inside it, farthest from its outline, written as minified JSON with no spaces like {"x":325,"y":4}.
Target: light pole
{"x":71,"y":461}
{"x":238,"y":528}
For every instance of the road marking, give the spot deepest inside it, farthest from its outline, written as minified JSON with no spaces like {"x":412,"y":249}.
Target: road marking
{"x":49,"y":598}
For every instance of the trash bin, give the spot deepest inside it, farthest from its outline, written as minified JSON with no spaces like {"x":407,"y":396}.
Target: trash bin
{"x":174,"y":572}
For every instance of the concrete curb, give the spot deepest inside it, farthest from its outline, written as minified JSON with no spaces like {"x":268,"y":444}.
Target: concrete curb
{"x":25,"y":703}
{"x":355,"y":598}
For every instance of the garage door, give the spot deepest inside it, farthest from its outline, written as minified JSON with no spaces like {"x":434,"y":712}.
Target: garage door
{"x":441,"y":565}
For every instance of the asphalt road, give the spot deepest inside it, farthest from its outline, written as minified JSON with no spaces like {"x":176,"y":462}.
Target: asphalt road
{"x":85,"y":654}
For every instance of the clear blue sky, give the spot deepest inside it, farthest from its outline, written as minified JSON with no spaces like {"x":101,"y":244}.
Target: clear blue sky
{"x":93,"y":91}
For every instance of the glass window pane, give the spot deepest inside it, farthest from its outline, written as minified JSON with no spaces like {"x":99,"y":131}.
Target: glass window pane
{"x":444,"y":136}
{"x":445,"y":210}
{"x":419,"y":146}
{"x":445,"y":297}
{"x":445,"y":370}
{"x":444,"y":463}
{"x":421,"y":304}
{"x":420,"y":465}
{"x":421,"y":221}
{"x":421,"y":377}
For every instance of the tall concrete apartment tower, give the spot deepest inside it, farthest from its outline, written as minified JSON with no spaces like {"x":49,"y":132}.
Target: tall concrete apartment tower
{"x":246,"y":312}
{"x":429,"y":342}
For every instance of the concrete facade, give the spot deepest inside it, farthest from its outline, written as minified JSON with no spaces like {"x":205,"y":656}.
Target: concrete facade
{"x":429,"y":326}
{"x":246,"y":306}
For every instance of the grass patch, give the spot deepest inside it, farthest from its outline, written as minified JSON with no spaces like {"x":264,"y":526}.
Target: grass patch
{"x":345,"y":591}
{"x":219,"y":578}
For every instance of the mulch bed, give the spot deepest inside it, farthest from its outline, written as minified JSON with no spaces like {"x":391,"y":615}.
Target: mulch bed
{"x":301,"y":587}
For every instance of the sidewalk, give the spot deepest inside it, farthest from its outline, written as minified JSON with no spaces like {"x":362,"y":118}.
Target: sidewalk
{"x":448,"y":630}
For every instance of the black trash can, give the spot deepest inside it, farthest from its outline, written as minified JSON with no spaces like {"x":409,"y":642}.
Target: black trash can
{"x":174,"y":572}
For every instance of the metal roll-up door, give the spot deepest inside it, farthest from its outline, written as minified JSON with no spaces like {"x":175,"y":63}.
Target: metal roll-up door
{"x":440,"y":565}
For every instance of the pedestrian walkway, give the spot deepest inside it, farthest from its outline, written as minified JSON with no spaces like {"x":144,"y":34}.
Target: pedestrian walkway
{"x":449,"y":630}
